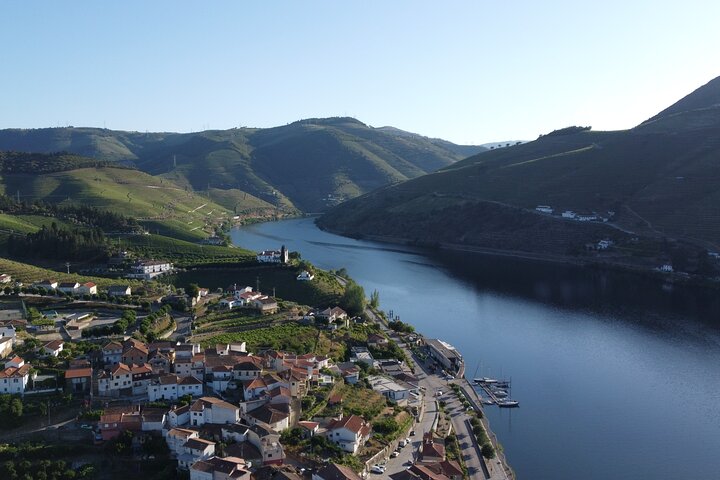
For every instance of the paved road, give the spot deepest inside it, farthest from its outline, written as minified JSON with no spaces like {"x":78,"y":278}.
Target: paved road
{"x":433,"y":383}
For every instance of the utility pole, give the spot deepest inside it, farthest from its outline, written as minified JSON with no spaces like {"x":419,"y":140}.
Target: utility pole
{"x":257,"y":284}
{"x":67,"y":265}
{"x":174,"y":161}
{"x":18,"y":196}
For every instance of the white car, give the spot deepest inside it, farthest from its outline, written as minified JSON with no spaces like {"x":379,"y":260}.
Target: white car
{"x":395,"y":454}
{"x":377,"y":469}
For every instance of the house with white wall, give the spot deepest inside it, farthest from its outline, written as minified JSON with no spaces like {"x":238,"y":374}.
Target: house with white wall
{"x":213,"y":410}
{"x":349,"y":433}
{"x":15,"y":376}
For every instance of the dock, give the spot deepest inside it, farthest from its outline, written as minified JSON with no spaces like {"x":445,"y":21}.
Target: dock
{"x":486,"y":387}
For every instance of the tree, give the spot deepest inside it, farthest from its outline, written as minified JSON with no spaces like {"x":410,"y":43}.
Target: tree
{"x":488,"y":451}
{"x":375,"y":299}
{"x":193,"y":290}
{"x":353,"y":300}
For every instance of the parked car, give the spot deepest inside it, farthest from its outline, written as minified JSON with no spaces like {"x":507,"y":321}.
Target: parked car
{"x":378,"y":469}
{"x":412,"y":433}
{"x":395,"y":454}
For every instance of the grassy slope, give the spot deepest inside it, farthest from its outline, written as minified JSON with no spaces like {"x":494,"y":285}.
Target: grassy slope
{"x":129,"y":192}
{"x":30,"y":273}
{"x":294,"y":165}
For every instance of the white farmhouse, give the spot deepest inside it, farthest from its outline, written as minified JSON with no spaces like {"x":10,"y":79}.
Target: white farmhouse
{"x":349,"y":433}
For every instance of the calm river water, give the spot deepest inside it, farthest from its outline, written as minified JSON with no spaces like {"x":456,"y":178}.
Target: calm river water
{"x":617,"y":377}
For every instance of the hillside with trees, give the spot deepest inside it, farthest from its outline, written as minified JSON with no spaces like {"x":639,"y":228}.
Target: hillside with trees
{"x":309,"y":164}
{"x":658,"y":180}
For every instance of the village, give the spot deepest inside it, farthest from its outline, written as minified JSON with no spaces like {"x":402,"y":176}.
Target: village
{"x":224,"y":410}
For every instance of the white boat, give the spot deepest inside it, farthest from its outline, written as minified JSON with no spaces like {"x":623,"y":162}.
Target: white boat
{"x":488,"y":401}
{"x":508,"y":403}
{"x":500,"y":393}
{"x":486,"y":380}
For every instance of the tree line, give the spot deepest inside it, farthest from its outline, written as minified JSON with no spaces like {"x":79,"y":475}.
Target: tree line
{"x":77,"y":214}
{"x":58,"y":243}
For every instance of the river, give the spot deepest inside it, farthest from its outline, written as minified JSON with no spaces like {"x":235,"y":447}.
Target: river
{"x":617,"y":376}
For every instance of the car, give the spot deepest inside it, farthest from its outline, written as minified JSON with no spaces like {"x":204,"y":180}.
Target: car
{"x":378,"y":469}
{"x":402,"y":443}
{"x":412,"y":433}
{"x":395,"y":454}
{"x":439,"y":393}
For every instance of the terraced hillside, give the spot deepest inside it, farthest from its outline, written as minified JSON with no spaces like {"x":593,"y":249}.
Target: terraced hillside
{"x":661,"y":179}
{"x":310,"y":164}
{"x":160,"y":204}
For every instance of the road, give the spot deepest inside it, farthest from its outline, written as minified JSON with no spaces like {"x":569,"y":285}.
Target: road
{"x":432,"y":383}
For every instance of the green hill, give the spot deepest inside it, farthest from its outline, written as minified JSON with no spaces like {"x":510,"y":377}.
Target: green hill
{"x":309,"y":164}
{"x":661,"y":179}
{"x":159,"y":203}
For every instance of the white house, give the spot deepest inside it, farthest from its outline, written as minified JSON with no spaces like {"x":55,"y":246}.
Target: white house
{"x":305,"y":276}
{"x":53,"y":348}
{"x":568,"y":214}
{"x":119,"y":378}
{"x":393,"y":390}
{"x":119,"y":291}
{"x":176,"y":438}
{"x":88,"y":288}
{"x":273,"y":256}
{"x":216,"y":468}
{"x":275,"y":416}
{"x":178,"y":417}
{"x":68,"y":287}
{"x":6,"y":346}
{"x":14,"y":378}
{"x":544,"y":209}
{"x":213,"y":410}
{"x":349,"y":433}
{"x":586,"y":217}
{"x":149,"y":269}
{"x":195,"y":449}
{"x":112,"y":353}
{"x":46,"y":284}
{"x":5,"y":278}
{"x":8,"y":331}
{"x":229,"y":303}
{"x":667,"y":268}
{"x":163,"y":387}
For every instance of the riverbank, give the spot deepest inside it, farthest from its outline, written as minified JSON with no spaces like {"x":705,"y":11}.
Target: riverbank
{"x":499,"y":468}
{"x":680,"y":278}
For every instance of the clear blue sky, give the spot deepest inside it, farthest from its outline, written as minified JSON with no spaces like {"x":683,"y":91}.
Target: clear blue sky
{"x":468,"y":71}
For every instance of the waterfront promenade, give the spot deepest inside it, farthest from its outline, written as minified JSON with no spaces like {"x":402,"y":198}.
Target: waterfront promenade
{"x":478,"y":467}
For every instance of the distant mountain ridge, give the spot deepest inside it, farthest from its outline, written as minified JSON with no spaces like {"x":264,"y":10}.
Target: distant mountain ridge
{"x":309,"y":164}
{"x":660,"y":179}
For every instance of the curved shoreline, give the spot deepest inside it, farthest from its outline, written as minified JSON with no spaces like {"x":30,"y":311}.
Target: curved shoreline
{"x":680,"y":278}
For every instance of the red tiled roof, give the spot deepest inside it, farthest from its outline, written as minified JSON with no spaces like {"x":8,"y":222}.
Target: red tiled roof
{"x":78,"y":373}
{"x":353,"y":423}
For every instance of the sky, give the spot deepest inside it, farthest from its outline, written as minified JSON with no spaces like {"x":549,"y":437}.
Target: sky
{"x":467,"y":71}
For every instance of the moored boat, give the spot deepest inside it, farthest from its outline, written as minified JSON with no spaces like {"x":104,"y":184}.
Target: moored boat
{"x":508,"y":403}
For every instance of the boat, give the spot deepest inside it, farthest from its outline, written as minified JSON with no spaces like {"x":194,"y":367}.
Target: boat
{"x":488,"y":401}
{"x":500,"y":393}
{"x":502,"y":384}
{"x":508,"y":403}
{"x":485,"y":380}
